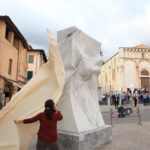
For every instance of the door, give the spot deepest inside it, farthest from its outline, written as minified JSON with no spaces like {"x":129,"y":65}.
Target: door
{"x":145,"y":82}
{"x":145,"y":79}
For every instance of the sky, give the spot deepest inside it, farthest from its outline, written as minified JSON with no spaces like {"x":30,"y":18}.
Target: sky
{"x":113,"y":23}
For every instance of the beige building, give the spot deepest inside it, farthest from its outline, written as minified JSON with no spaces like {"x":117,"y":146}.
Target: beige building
{"x":36,"y":57}
{"x":13,"y":58}
{"x":128,"y":68}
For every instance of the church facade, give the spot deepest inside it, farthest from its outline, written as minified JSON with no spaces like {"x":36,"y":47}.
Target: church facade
{"x":128,"y":68}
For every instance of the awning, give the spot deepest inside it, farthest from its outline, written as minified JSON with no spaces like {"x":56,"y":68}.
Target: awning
{"x":15,"y":83}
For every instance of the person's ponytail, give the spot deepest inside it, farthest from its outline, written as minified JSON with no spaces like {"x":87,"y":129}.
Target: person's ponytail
{"x":49,"y":109}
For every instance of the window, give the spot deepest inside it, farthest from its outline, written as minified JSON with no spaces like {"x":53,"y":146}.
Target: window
{"x":109,"y":70}
{"x":29,"y":75}
{"x":105,"y":78}
{"x":30,"y":58}
{"x":7,"y":33}
{"x":10,"y":67}
{"x":113,"y":74}
{"x":143,"y":55}
{"x":16,"y":42}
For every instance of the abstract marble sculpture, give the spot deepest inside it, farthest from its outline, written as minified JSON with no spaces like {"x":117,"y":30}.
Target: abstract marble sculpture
{"x":73,"y":90}
{"x":79,"y":100}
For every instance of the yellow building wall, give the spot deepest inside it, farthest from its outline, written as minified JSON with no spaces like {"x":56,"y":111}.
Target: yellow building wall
{"x":12,"y":48}
{"x":22,"y":65}
{"x":110,"y":75}
{"x":124,"y":69}
{"x":2,"y":29}
{"x":38,"y":61}
{"x":8,"y":52}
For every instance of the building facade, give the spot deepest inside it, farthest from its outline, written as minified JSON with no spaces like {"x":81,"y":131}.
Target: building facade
{"x":13,"y":58}
{"x":128,"y":68}
{"x":36,"y":58}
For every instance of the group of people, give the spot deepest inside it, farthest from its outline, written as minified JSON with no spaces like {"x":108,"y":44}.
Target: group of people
{"x":138,"y":96}
{"x":47,"y":133}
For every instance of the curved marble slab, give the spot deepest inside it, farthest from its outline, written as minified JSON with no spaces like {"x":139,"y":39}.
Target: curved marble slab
{"x":48,"y":83}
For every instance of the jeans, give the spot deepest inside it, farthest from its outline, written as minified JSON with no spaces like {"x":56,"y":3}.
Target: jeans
{"x":41,"y":145}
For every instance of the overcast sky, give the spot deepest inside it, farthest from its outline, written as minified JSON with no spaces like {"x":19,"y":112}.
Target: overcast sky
{"x":114,"y":23}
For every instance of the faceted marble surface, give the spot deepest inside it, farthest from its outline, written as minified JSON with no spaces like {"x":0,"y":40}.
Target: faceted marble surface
{"x":79,"y":100}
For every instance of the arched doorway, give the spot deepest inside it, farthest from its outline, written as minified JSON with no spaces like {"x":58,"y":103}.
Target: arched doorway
{"x":145,"y":79}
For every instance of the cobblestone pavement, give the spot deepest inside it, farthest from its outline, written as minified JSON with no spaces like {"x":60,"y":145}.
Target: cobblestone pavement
{"x":129,"y":137}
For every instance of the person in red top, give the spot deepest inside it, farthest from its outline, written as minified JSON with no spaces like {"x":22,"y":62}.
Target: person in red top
{"x":47,"y":133}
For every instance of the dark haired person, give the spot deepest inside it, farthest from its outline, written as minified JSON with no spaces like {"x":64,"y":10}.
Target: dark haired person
{"x":47,"y":133}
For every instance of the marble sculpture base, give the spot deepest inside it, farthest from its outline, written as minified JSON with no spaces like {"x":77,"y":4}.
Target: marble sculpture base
{"x":91,"y":140}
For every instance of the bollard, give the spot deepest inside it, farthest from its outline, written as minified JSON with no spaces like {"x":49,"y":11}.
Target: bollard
{"x":108,"y":102}
{"x":139,"y":116}
{"x":111,"y":116}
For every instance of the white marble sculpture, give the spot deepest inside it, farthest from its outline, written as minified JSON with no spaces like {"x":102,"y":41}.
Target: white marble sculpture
{"x":79,"y":101}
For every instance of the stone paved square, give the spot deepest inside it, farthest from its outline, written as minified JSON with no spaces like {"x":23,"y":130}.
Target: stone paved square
{"x":129,"y":137}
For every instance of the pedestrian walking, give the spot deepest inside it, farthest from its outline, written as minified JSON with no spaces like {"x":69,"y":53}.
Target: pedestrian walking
{"x":116,"y":101}
{"x":135,"y":98}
